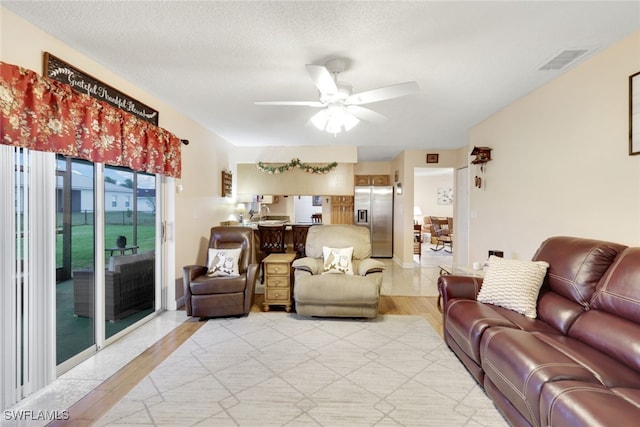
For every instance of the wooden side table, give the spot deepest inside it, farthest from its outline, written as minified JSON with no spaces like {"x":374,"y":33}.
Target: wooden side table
{"x":278,"y":280}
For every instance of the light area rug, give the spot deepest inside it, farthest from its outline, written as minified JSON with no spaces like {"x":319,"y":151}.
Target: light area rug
{"x":280,"y":369}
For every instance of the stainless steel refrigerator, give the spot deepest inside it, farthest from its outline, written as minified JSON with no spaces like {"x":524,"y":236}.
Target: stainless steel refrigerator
{"x":373,"y":208}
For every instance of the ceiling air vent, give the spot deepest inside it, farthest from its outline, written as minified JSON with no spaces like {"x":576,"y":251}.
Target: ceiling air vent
{"x":563,"y":59}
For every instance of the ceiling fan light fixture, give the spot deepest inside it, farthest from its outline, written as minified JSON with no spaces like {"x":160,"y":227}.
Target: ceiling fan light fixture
{"x":341,"y":109}
{"x":334,"y":119}
{"x":320,"y":119}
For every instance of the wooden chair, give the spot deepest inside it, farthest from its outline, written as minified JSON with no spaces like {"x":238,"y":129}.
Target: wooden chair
{"x":299,"y":232}
{"x":443,"y":232}
{"x":271,"y":242}
{"x":316,"y":218}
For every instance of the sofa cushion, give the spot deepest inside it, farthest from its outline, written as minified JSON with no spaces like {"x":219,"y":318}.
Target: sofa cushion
{"x":337,"y":289}
{"x":558,"y":311}
{"x":576,"y":265}
{"x":612,"y":325}
{"x":609,"y":371}
{"x":337,"y":260}
{"x":116,"y":261}
{"x":619,"y":293}
{"x":223,"y":262}
{"x":204,"y":285}
{"x":519,"y":365}
{"x":467,"y":320}
{"x":338,"y":236}
{"x":572,"y":403}
{"x":609,"y":334}
{"x":513,"y":284}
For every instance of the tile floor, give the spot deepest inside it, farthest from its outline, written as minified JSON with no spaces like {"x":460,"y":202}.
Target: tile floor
{"x":77,"y":382}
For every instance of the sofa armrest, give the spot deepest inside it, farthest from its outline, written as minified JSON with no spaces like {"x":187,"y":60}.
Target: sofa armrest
{"x":370,"y":265}
{"x":450,"y":287}
{"x":308,"y":264}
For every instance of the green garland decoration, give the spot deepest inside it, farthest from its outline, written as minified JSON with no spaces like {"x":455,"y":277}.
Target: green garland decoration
{"x":296,"y":163}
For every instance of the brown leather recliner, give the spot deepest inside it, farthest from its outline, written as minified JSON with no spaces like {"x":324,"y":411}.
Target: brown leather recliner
{"x":206,"y":296}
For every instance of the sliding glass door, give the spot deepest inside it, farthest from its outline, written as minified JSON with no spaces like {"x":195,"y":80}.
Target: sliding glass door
{"x":128,"y":277}
{"x":130,"y":244}
{"x":75,"y":257}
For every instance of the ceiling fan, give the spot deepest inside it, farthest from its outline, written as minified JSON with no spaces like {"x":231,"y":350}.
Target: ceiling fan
{"x":341,"y":109}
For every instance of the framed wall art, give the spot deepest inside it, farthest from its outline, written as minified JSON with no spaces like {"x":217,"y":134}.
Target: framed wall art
{"x":634,"y":114}
{"x":316,"y":201}
{"x":432,"y":158}
{"x":445,"y":196}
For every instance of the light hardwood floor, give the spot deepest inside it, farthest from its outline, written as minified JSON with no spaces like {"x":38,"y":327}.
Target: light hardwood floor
{"x":97,"y":403}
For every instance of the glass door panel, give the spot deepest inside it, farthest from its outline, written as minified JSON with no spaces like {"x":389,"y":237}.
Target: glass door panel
{"x":130,"y":211}
{"x":75,"y":256}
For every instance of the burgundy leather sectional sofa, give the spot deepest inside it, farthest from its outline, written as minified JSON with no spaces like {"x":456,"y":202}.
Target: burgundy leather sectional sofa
{"x":578,"y":362}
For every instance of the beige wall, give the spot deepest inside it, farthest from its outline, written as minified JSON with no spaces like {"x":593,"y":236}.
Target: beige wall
{"x":405,"y":164}
{"x":199,"y":205}
{"x":426,"y":194}
{"x":373,"y":168}
{"x":339,"y":181}
{"x":560,"y":164}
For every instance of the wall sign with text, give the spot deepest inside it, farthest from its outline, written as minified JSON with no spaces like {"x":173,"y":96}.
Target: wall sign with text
{"x":60,"y":71}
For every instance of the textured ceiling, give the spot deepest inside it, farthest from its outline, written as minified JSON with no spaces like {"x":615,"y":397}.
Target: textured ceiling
{"x":212,"y":60}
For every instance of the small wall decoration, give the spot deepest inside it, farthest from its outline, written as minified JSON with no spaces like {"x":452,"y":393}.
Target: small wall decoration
{"x":316,"y":201}
{"x":432,"y":158}
{"x":58,"y":70}
{"x":396,"y":176}
{"x":227,"y":181}
{"x":445,"y":196}
{"x":634,"y":114}
{"x":483,"y":155}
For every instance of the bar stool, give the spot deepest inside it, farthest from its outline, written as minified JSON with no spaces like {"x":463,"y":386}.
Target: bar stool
{"x":271,"y":242}
{"x":316,"y":218}
{"x":299,"y":232}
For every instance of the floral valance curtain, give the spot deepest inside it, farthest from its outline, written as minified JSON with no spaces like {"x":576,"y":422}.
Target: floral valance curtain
{"x":45,"y":115}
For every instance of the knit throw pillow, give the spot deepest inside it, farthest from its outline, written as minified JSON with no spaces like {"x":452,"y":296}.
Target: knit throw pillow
{"x":513,"y":284}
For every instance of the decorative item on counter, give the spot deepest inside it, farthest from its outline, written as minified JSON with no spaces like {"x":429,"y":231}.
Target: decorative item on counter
{"x":296,"y":163}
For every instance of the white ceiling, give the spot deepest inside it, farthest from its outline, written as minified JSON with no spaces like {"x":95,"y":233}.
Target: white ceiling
{"x":212,"y":59}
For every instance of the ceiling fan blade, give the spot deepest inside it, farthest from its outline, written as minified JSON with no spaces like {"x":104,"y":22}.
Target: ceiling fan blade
{"x":322,"y":78}
{"x":366,"y":114}
{"x":297,"y":103}
{"x":383,"y":93}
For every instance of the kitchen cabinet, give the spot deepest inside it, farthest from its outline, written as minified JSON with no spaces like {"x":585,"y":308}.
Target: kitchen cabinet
{"x":341,"y":209}
{"x":383,"y":180}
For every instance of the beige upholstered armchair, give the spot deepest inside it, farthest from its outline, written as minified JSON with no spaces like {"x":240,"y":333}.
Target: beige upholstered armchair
{"x":225,"y":286}
{"x":355,"y":293}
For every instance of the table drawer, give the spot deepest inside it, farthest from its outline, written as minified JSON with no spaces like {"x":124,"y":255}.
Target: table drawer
{"x":277,"y":294}
{"x":277,"y":268}
{"x":277,"y":282}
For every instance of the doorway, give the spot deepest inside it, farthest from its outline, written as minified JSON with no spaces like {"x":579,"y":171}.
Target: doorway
{"x":434,"y":194}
